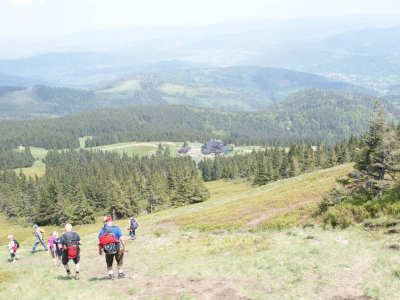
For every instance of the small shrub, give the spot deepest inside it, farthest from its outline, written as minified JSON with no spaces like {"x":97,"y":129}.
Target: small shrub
{"x":160,"y":232}
{"x":396,"y":273}
{"x":290,"y":219}
{"x":345,"y":215}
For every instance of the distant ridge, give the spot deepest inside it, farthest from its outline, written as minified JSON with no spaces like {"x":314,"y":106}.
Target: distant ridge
{"x":231,"y":89}
{"x":308,"y":116}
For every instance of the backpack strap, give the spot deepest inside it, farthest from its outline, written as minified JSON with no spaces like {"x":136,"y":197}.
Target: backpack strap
{"x":109,"y":230}
{"x":71,"y":239}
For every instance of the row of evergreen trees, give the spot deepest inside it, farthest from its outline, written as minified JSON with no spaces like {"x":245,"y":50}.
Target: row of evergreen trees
{"x":16,"y":159}
{"x":278,"y":163}
{"x":78,"y":185}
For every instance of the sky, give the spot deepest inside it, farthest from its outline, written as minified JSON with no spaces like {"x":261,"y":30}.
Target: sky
{"x":56,"y":17}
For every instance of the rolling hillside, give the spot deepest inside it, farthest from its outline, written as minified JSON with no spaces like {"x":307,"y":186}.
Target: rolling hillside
{"x":224,"y":248}
{"x":233,"y":89}
{"x":308,"y":116}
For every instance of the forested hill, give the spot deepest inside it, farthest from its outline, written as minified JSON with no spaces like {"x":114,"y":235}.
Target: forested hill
{"x":311,"y":116}
{"x":234,"y":89}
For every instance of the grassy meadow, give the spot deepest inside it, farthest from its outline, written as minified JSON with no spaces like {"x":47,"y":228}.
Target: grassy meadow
{"x":243,"y":243}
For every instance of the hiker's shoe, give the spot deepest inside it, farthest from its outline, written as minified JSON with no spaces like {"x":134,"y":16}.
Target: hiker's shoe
{"x":77,"y":276}
{"x":14,"y":261}
{"x":133,"y":238}
{"x":69,"y":276}
{"x":18,"y":257}
{"x":111,"y":276}
{"x":121,"y":275}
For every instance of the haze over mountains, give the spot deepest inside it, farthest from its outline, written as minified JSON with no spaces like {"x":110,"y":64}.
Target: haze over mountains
{"x":358,"y":49}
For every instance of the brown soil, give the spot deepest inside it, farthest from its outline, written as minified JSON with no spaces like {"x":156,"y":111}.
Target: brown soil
{"x":137,"y":285}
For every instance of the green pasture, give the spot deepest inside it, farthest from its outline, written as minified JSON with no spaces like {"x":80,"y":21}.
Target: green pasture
{"x":38,"y":152}
{"x":38,"y":167}
{"x":145,"y":148}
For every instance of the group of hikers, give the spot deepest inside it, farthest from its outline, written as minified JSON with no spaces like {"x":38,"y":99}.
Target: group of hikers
{"x":65,"y":248}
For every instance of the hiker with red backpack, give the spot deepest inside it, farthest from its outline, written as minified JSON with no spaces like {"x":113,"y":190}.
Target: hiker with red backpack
{"x":70,"y":242}
{"x":112,"y":243}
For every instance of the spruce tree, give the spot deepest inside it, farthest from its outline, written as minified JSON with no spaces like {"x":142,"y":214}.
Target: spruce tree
{"x":378,"y":161}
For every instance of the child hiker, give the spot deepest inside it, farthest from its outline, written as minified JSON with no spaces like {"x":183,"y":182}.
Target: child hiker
{"x":52,"y":248}
{"x":12,"y":248}
{"x":57,"y":249}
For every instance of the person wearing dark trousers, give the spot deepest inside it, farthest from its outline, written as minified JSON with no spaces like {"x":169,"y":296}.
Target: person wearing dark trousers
{"x":39,"y":238}
{"x":114,"y":233}
{"x":70,"y":242}
{"x":132,"y":226}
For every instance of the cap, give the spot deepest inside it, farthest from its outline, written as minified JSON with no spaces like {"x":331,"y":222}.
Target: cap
{"x":34,"y":226}
{"x":109,"y":219}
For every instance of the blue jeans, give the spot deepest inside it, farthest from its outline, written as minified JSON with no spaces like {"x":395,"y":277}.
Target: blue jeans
{"x":132,"y":233}
{"x":36,"y":243}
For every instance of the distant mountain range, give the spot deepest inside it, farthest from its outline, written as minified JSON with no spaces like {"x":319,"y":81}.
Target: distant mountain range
{"x":369,"y":57}
{"x":233,"y":88}
{"x":362,"y":50}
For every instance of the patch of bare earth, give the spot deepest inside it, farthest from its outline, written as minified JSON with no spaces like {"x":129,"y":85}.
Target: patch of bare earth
{"x":210,"y":288}
{"x":138,"y":285}
{"x":351,"y":298}
{"x":346,"y":282}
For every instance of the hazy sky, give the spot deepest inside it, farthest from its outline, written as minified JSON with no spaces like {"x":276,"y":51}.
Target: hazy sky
{"x":63,"y":16}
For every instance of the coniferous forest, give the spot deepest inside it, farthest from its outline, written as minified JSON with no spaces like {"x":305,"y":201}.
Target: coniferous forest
{"x":317,"y":116}
{"x":81,"y":184}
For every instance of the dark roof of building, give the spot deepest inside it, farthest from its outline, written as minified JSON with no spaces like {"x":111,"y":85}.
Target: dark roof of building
{"x":185,"y":149}
{"x":213,"y":146}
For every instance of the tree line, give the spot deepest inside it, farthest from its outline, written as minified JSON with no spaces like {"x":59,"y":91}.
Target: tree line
{"x":16,"y":159}
{"x":322,"y":116}
{"x":80,"y":184}
{"x":276,"y":163}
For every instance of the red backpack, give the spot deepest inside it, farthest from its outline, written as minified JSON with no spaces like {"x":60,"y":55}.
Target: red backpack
{"x":108,"y":242}
{"x":72,"y":245}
